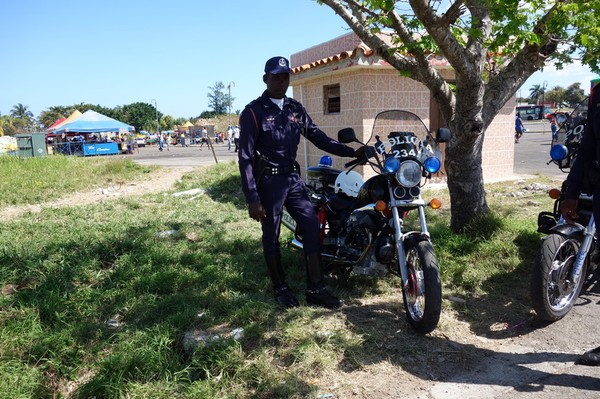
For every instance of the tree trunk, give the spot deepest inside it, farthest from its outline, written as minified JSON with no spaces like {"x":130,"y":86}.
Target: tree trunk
{"x":465,"y":177}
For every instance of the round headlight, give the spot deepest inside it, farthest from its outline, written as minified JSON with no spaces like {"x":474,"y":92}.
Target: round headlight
{"x":558,"y":152}
{"x":409,"y":174}
{"x":391,"y":164}
{"x":432,"y":164}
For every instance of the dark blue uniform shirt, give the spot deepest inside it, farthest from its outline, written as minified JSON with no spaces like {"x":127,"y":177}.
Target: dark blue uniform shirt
{"x":589,"y":150}
{"x":275,"y":133}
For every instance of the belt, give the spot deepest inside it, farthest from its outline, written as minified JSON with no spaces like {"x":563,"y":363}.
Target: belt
{"x":281,"y":170}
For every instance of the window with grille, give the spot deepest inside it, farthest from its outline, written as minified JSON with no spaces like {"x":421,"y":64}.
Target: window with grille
{"x":331,"y":99}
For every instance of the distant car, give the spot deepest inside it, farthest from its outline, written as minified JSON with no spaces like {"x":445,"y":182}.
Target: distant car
{"x":140,"y":141}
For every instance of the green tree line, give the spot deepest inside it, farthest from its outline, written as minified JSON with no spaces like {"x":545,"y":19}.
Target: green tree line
{"x":141,"y":115}
{"x":561,"y":97}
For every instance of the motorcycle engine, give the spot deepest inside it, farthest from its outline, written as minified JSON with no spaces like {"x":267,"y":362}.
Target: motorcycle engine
{"x":359,"y":241}
{"x":384,"y":249}
{"x":358,"y":227}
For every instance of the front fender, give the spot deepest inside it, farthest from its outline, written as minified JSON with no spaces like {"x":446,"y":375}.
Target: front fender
{"x":567,"y":230}
{"x":416,"y":236}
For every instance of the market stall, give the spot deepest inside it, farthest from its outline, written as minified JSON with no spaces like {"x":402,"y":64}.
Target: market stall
{"x":87,"y":135}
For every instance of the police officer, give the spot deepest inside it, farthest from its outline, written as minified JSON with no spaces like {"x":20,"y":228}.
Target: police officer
{"x":270,"y":130}
{"x":586,"y":167}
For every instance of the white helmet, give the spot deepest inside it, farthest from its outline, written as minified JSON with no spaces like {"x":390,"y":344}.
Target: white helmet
{"x":349,"y":183}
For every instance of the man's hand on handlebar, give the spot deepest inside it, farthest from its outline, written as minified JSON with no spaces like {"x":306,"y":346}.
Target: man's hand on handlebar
{"x":359,"y":153}
{"x":568,"y":209}
{"x":362,"y":155}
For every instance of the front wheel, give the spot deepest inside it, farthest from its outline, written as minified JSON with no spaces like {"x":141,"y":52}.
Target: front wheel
{"x":422,"y":292}
{"x":553,"y":294}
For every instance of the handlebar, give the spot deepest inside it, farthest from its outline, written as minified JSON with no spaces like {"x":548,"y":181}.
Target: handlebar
{"x":354,"y":162}
{"x":368,"y":152}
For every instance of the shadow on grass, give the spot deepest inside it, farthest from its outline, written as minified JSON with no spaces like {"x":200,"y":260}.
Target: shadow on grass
{"x":97,"y":295}
{"x":505,"y":308}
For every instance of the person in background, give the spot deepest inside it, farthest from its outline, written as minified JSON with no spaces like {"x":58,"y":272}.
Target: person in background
{"x":236,"y":137}
{"x":588,"y":156}
{"x":229,"y":137}
{"x":519,"y":127}
{"x":271,"y":127}
{"x":554,"y":128}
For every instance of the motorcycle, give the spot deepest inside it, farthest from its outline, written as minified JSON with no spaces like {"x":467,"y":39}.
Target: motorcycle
{"x":566,"y":256}
{"x":362,"y":223}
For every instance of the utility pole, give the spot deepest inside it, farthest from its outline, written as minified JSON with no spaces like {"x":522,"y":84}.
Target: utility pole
{"x":156,"y":110}
{"x":229,"y":100}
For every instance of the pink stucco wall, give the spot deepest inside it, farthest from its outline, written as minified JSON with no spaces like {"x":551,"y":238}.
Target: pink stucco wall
{"x":369,"y":86}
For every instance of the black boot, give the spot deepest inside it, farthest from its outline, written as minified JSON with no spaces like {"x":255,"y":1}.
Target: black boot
{"x":590,"y":358}
{"x":282,"y":293}
{"x":316,"y":292}
{"x":284,"y":296}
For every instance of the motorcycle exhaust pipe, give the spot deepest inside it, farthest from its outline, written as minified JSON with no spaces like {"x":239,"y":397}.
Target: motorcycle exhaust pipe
{"x":297,"y":244}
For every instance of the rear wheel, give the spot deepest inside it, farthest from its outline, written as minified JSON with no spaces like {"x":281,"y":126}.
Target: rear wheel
{"x":553,"y":294}
{"x":422,"y":292}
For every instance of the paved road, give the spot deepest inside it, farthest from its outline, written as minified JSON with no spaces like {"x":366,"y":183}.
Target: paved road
{"x":179,"y":156}
{"x":532,"y":153}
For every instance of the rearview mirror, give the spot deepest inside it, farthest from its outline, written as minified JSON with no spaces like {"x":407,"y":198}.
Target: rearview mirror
{"x":443,"y":135}
{"x":346,"y":135}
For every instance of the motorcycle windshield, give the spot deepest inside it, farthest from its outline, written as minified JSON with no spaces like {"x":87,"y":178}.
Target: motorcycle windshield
{"x":570,"y":128}
{"x":404,"y":135}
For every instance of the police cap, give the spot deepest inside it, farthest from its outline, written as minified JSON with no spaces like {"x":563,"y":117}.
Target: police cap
{"x":277,"y":65}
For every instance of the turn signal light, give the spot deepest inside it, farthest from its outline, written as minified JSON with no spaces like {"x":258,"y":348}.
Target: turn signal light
{"x":380,"y":206}
{"x":435,"y":203}
{"x":554,"y":193}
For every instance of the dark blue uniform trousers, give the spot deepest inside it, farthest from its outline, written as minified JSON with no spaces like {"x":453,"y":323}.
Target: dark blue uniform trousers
{"x":277,"y":191}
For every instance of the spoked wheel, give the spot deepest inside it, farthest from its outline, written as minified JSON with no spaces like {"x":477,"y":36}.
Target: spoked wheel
{"x":422,"y":292}
{"x":553,"y":294}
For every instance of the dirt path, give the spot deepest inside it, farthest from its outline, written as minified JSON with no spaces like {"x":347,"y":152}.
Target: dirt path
{"x":161,"y":180}
{"x":467,"y":360}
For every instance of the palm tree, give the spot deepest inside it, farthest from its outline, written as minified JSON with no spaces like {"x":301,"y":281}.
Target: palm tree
{"x":23,"y":117}
{"x":536,"y":92}
{"x":6,"y":125}
{"x":21,"y":111}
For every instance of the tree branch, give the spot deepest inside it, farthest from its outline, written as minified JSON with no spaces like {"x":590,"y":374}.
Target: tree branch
{"x":454,"y":12}
{"x":439,"y":31}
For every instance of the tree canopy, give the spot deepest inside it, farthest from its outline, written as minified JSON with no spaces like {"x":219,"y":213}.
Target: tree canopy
{"x":219,"y":101}
{"x":494,"y":46}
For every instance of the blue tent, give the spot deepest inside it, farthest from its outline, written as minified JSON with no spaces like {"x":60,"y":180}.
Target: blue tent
{"x":93,"y":122}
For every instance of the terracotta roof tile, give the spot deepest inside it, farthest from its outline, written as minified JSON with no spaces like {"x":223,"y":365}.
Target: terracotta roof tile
{"x":335,"y":58}
{"x":353,"y":55}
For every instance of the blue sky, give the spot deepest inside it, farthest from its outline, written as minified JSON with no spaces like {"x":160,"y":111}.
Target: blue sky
{"x":116,"y":52}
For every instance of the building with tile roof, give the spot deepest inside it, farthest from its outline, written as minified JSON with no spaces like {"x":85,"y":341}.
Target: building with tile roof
{"x":343,"y":83}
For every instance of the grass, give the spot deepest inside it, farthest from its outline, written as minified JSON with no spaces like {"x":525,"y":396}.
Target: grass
{"x":33,"y":180}
{"x":95,"y":303}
